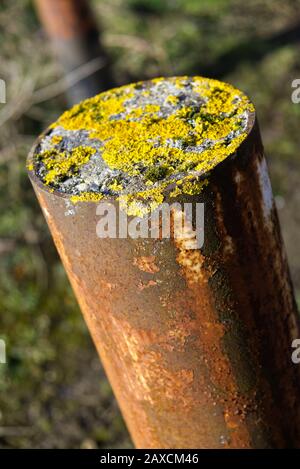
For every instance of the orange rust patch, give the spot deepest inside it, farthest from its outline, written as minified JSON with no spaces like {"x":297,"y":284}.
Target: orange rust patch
{"x":224,"y":388}
{"x":146,"y":264}
{"x":150,"y":378}
{"x":142,"y":286}
{"x":191,"y":263}
{"x":107,"y":285}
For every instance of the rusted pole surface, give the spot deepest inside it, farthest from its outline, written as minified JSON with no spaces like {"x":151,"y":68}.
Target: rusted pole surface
{"x":195,"y":342}
{"x":71,"y":26}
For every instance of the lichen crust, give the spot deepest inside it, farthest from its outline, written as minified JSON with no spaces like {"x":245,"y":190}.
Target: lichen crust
{"x":137,"y":141}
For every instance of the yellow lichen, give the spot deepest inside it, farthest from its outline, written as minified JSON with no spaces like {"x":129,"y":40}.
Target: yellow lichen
{"x":193,"y":187}
{"x":56,"y":139}
{"x":115,"y":186}
{"x":86,"y":197}
{"x":60,"y":165}
{"x":172,"y":99}
{"x":136,"y":137}
{"x":143,"y":202}
{"x":176,"y":192}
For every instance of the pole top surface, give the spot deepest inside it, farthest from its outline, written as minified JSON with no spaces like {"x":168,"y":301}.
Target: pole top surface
{"x":137,"y":141}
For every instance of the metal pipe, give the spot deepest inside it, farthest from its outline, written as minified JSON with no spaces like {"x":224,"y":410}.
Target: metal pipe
{"x":71,"y":26}
{"x":196,"y":343}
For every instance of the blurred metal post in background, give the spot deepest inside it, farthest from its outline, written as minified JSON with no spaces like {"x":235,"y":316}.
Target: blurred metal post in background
{"x":75,"y":36}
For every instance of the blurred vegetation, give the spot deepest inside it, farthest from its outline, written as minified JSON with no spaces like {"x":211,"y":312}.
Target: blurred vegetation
{"x":53,"y":392}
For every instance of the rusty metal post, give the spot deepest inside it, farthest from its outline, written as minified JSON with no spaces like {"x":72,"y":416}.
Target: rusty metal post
{"x":196,"y":343}
{"x":75,"y":36}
